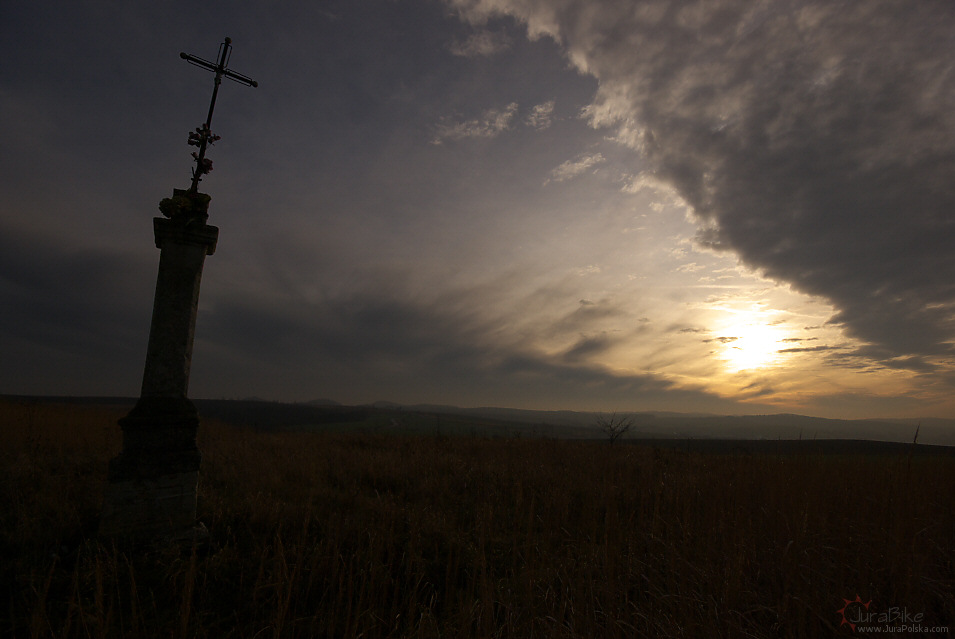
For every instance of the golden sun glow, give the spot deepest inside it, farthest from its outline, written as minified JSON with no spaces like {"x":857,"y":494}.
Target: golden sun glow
{"x":752,"y":345}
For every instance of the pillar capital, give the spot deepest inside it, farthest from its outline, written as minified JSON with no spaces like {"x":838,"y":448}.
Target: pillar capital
{"x":185,"y":203}
{"x":192,"y":234}
{"x":185,"y":214}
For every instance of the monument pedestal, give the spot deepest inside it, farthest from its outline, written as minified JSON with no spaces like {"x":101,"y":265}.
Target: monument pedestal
{"x":152,"y":484}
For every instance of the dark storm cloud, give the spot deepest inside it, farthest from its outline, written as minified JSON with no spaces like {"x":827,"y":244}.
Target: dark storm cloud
{"x":67,"y":297}
{"x":814,"y":139}
{"x":71,"y":318}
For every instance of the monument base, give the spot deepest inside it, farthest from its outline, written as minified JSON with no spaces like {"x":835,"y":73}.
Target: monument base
{"x":150,"y":508}
{"x":152,"y":486}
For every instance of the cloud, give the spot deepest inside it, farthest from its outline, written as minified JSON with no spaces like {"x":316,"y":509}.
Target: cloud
{"x":489,"y":125}
{"x":72,"y":317}
{"x":481,"y":44}
{"x":495,"y":121}
{"x":721,"y":340}
{"x":541,"y":116}
{"x":577,"y":166}
{"x":813,"y":139}
{"x":589,"y":346}
{"x":808,"y":349}
{"x":588,"y":315}
{"x":664,"y":194}
{"x":403,"y":345}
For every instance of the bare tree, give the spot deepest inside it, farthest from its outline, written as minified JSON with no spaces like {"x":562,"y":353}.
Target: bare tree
{"x":614,"y":426}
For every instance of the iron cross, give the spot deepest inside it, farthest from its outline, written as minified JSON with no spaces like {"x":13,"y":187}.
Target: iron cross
{"x":203,"y":135}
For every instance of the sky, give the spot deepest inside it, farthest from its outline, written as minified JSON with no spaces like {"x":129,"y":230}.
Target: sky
{"x":723,"y":206}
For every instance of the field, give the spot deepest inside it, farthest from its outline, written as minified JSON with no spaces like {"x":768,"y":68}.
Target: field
{"x":338,"y":534}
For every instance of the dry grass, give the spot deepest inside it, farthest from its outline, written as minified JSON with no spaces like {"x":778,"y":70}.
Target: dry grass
{"x":387,"y":536}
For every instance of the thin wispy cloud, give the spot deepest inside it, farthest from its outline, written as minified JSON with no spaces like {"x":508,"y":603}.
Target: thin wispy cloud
{"x":481,"y":44}
{"x":491,"y":123}
{"x":576,"y":167}
{"x":541,"y":116}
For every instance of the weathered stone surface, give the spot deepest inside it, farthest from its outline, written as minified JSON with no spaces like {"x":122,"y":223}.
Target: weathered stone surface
{"x":152,"y":484}
{"x":159,"y":438}
{"x":169,"y":354}
{"x":164,"y":506}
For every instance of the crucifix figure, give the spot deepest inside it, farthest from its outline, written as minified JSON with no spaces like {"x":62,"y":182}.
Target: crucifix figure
{"x":152,"y":484}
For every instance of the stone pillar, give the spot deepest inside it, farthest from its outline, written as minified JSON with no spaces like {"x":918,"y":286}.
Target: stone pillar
{"x":151,"y":490}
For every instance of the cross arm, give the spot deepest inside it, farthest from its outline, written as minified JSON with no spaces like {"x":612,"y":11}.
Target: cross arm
{"x":212,"y":66}
{"x":199,"y":62}
{"x":241,"y":79}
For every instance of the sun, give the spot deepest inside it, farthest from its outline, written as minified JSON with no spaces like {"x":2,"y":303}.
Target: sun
{"x":751,"y":345}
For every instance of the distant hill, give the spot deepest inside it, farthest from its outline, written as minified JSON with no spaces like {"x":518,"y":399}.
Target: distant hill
{"x":255,"y":413}
{"x":741,"y":427}
{"x":511,"y":422}
{"x":324,"y":402}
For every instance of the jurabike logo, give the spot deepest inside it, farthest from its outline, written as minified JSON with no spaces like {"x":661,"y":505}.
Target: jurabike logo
{"x":857,"y":613}
{"x":852,"y":611}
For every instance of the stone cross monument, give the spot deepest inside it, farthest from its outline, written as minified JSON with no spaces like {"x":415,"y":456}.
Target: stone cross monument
{"x":152,"y":484}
